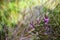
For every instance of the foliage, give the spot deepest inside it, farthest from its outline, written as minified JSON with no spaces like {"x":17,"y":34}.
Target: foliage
{"x":16,"y":13}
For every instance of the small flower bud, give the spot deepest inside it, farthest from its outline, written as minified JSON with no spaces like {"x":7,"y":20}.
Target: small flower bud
{"x":31,"y":25}
{"x":46,"y":20}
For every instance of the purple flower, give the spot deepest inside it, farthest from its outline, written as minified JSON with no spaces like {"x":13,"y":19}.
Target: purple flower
{"x":46,"y":20}
{"x":31,"y":25}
